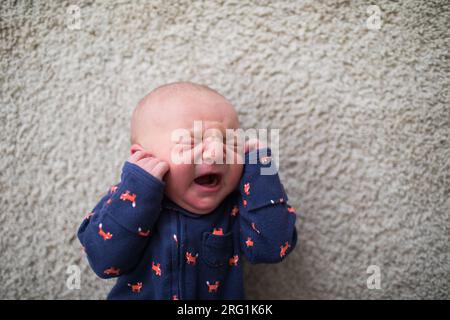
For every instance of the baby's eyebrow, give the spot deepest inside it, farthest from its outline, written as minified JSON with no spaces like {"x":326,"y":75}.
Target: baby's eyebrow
{"x":223,"y":131}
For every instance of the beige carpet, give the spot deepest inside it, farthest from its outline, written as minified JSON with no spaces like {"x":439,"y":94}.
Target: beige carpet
{"x":364,"y":118}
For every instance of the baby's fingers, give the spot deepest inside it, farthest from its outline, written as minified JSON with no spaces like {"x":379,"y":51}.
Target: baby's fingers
{"x":138,"y":155}
{"x":160,"y":169}
{"x":147,"y":163}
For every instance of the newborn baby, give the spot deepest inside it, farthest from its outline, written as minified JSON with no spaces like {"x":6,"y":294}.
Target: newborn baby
{"x":178,"y":229}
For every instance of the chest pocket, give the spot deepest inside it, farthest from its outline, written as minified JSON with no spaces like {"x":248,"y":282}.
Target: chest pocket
{"x":217,"y":249}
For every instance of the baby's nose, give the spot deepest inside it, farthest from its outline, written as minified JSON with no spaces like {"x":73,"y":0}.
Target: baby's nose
{"x":213,"y":150}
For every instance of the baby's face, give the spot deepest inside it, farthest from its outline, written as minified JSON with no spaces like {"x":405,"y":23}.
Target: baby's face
{"x":198,"y":188}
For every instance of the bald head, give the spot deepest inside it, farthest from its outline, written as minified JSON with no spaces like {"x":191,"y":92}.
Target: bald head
{"x":174,"y":104}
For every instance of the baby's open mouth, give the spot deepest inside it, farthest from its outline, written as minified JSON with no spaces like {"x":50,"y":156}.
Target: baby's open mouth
{"x":208,"y":180}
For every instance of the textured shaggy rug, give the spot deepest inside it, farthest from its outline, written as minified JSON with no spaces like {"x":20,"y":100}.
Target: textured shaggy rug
{"x":363,"y":113}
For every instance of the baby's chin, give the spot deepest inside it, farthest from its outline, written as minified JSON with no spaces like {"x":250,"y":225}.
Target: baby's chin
{"x":203,"y":205}
{"x":199,"y":204}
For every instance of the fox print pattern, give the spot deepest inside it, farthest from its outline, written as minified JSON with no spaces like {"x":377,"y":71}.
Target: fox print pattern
{"x":127,"y":196}
{"x":136,"y":287}
{"x":213,"y":287}
{"x":103,"y":234}
{"x":156,"y":268}
{"x":190,"y":259}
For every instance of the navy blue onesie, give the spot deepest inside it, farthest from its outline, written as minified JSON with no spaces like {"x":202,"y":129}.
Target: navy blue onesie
{"x":158,"y":250}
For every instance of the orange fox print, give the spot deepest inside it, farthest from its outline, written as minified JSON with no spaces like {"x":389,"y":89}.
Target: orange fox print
{"x":112,"y":271}
{"x":190,"y":259}
{"x":254,"y":228}
{"x":213,"y":287}
{"x":109,"y":201}
{"x":244,"y":202}
{"x":113,"y":189}
{"x":174,"y":297}
{"x":247,"y":188}
{"x":103,"y":234}
{"x":156,"y":268}
{"x":136,"y":287}
{"x":249,"y":242}
{"x":218,"y":232}
{"x":127,"y":196}
{"x":291,"y":209}
{"x":234,"y":211}
{"x":233,"y":260}
{"x":284,"y":249}
{"x":142,"y":233}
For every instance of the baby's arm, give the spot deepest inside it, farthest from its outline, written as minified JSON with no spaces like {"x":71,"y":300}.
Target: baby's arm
{"x":117,"y":231}
{"x":267,"y":222}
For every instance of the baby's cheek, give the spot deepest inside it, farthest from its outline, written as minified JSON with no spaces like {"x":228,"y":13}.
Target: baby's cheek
{"x":235,"y":173}
{"x":180,"y":167}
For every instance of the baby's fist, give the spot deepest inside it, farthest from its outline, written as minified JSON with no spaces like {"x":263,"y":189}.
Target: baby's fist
{"x":149,"y":163}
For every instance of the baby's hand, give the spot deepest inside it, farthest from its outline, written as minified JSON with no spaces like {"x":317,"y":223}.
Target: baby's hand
{"x":149,"y":163}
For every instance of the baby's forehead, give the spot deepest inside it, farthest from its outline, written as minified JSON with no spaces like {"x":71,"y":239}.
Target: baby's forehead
{"x":188,"y":112}
{"x":182,"y":106}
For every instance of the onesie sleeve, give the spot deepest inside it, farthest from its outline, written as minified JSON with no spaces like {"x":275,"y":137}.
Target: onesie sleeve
{"x":267,"y":222}
{"x":116,"y":232}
